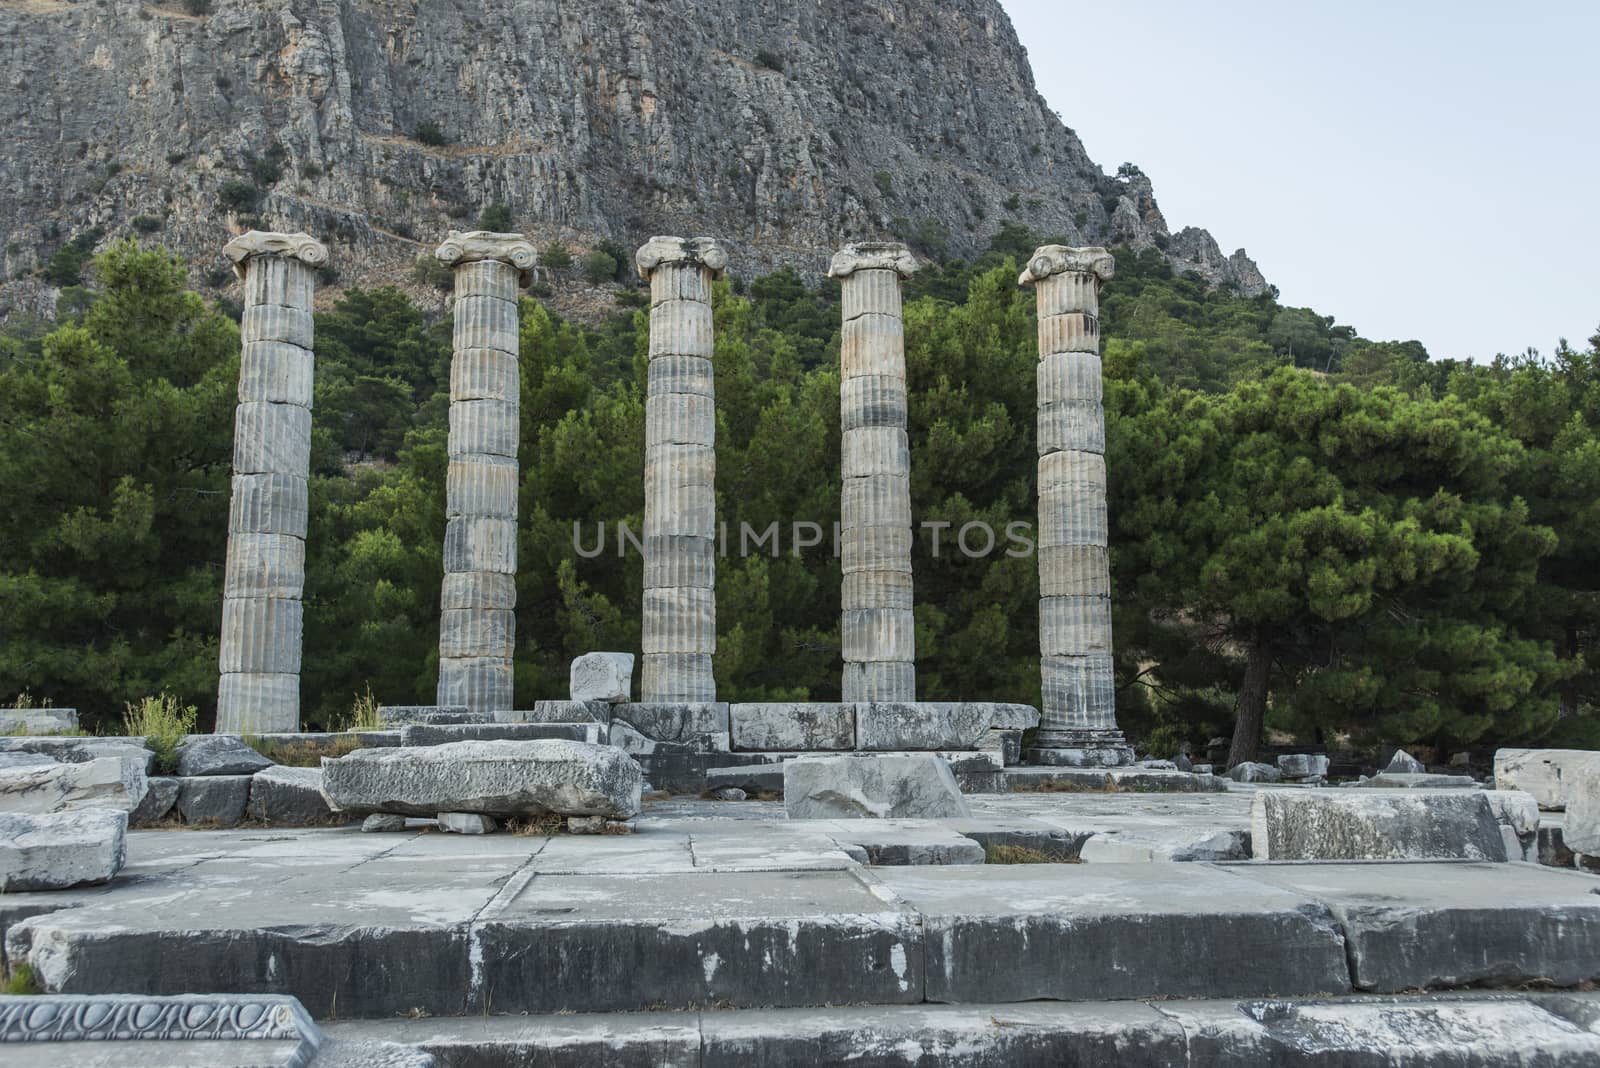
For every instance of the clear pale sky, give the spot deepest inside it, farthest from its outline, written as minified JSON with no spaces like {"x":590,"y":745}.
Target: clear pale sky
{"x":1423,"y":170}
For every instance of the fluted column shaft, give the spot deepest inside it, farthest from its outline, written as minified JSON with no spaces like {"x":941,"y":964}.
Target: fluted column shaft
{"x":876,"y":625}
{"x":680,"y":466}
{"x":1079,"y":706}
{"x":477,"y":618}
{"x":262,"y":613}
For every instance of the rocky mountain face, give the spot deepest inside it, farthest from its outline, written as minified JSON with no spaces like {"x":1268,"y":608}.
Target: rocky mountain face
{"x":785,"y":127}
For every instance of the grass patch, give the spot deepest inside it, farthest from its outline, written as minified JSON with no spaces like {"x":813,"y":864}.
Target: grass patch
{"x":537,"y":826}
{"x":364,"y":712}
{"x":163,"y":721}
{"x":303,"y":754}
{"x":23,"y":980}
{"x":1000,"y":853}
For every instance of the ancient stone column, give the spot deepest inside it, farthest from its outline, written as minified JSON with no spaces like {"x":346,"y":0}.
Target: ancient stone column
{"x":876,"y":626}
{"x":680,"y":466}
{"x":259,"y":688}
{"x":477,"y":621}
{"x":1078,"y":724}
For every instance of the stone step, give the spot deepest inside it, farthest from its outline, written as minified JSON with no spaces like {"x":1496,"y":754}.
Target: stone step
{"x":1480,"y":1029}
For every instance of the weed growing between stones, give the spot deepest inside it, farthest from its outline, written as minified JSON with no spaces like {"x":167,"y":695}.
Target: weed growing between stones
{"x":23,"y":980}
{"x":163,"y":721}
{"x":303,"y":754}
{"x":1000,"y":853}
{"x":364,"y":713}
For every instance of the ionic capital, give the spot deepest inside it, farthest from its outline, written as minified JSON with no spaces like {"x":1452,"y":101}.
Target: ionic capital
{"x":1058,"y":259}
{"x":703,"y":251}
{"x":476,"y":245}
{"x":872,"y":256}
{"x":303,"y":247}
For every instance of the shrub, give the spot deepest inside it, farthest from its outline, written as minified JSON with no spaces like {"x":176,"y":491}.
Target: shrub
{"x":364,"y":712}
{"x":65,"y":267}
{"x":147,"y":224}
{"x":197,"y":7}
{"x":431,"y":133}
{"x":175,"y":158}
{"x":496,"y":218}
{"x":885,"y":182}
{"x":163,"y":721}
{"x":769,"y":60}
{"x":599,"y":267}
{"x":1012,"y":202}
{"x":430,"y":272}
{"x":238,"y":196}
{"x":1080,"y":217}
{"x":555,"y":256}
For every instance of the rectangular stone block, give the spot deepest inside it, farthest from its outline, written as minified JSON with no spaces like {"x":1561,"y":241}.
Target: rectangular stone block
{"x":792,"y":726}
{"x":670,"y":282}
{"x":681,"y":328}
{"x":264,"y":565}
{"x":1374,"y":825}
{"x":1074,"y":626}
{"x":480,"y":544}
{"x":1079,"y":691}
{"x":1071,"y":424}
{"x":1581,"y":779}
{"x":478,"y":589}
{"x":1072,"y":515}
{"x":680,"y":419}
{"x":677,"y":677}
{"x":484,"y":374}
{"x":879,"y":680}
{"x":875,"y":549}
{"x":877,"y":589}
{"x":490,"y":279}
{"x":873,"y":345}
{"x":482,"y":486}
{"x":875,"y":501}
{"x":673,"y":373}
{"x":1074,"y":571}
{"x":279,"y":280}
{"x":561,"y":712}
{"x":1069,"y":332}
{"x":397,"y":716}
{"x":261,"y":635}
{"x":477,"y":632}
{"x":875,"y":291}
{"x":258,"y":703}
{"x":921,"y":725}
{"x":271,"y":439}
{"x":677,"y":721}
{"x":485,"y":323}
{"x":277,"y":372}
{"x":875,"y":451}
{"x":1067,"y":292}
{"x":673,"y":560}
{"x":878,"y":634}
{"x":424,"y":734}
{"x":872,"y":400}
{"x":680,"y":620}
{"x":483,"y":684}
{"x":483,"y":427}
{"x":278,"y":322}
{"x":268,"y":504}
{"x":1544,"y":773}
{"x":1068,"y":376}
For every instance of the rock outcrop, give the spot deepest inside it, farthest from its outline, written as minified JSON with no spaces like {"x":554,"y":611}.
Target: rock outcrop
{"x":378,"y":125}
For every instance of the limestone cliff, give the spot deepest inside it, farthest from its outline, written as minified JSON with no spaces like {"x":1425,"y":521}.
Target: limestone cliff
{"x":785,"y":127}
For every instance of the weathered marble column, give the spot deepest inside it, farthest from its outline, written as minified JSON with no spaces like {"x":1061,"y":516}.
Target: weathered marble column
{"x":477,"y":621}
{"x":1078,"y":723}
{"x":680,"y":466}
{"x":259,"y":688}
{"x":876,"y":625}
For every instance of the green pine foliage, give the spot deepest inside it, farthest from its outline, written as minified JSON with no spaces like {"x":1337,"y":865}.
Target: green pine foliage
{"x":1311,"y":531}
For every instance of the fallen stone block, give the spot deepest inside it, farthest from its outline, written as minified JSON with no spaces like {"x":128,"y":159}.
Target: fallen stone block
{"x":404,"y":715}
{"x":1251,"y":771}
{"x":467,"y":823}
{"x":1005,"y":741}
{"x":25,"y":760}
{"x":38,"y":721}
{"x":159,"y":798}
{"x":922,"y":725}
{"x":419,"y":734}
{"x":57,"y":851}
{"x":793,"y":726}
{"x":1303,"y":765}
{"x":877,"y":786}
{"x":727,"y":793}
{"x":1517,"y":813}
{"x":1405,"y":780}
{"x":291,"y":797}
{"x":213,"y":800}
{"x":493,"y":778}
{"x":1581,"y":781}
{"x":1404,"y":763}
{"x":704,"y":724}
{"x":558,"y":712}
{"x":107,"y":782}
{"x":218,"y":754}
{"x":604,"y":677}
{"x":1544,"y":773}
{"x":380,"y":822}
{"x":586,"y":825}
{"x":1013,"y":717}
{"x":1147,"y":845}
{"x":1373,"y":825}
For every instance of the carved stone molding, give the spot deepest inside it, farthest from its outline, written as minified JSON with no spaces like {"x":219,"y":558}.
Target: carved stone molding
{"x":872,"y":256}
{"x":1056,"y":259}
{"x":126,"y":1017}
{"x":705,"y":251}
{"x":302,"y":247}
{"x":475,"y":245}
